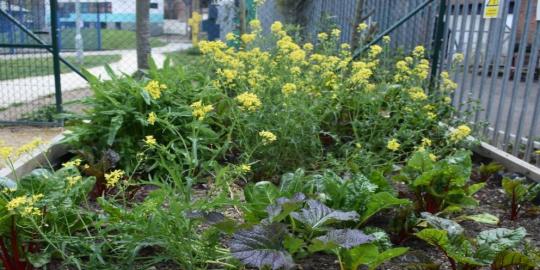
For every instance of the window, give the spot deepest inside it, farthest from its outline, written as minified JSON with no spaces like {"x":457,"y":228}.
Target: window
{"x":118,"y":25}
{"x":154,"y":5}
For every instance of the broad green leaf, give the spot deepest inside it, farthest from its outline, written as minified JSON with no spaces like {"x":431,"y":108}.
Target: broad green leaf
{"x":507,"y":259}
{"x":481,"y":218}
{"x":501,"y":239}
{"x":386,"y":256}
{"x":420,"y":161}
{"x":380,"y":201}
{"x":434,"y":237}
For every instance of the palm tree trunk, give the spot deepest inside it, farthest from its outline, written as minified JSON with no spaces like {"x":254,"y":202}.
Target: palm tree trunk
{"x":143,"y":33}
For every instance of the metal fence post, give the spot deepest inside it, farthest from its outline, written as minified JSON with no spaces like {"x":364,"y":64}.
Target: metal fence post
{"x":438,"y":39}
{"x":56,"y":56}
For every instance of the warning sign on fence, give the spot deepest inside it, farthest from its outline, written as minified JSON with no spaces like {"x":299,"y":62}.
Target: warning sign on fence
{"x":493,"y":9}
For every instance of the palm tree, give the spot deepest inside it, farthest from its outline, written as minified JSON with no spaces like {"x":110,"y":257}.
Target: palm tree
{"x":143,"y":33}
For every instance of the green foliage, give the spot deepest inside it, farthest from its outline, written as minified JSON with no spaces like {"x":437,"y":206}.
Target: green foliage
{"x":519,"y":192}
{"x":497,"y":248}
{"x":440,"y":184}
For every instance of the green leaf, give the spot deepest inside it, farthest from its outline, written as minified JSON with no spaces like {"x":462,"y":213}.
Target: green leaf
{"x":293,"y":244}
{"x":481,"y":218}
{"x":434,"y":237}
{"x":369,"y":255}
{"x":472,"y":189}
{"x":509,"y":258}
{"x":420,"y":161}
{"x":380,"y":201}
{"x":501,"y":239}
{"x":116,"y":124}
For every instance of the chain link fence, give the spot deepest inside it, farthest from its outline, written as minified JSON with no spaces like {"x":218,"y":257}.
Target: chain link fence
{"x":91,"y":34}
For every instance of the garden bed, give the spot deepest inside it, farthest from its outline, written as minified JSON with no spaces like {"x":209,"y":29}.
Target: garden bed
{"x":295,"y":156}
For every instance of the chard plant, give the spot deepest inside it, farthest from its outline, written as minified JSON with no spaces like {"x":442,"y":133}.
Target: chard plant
{"x":440,"y":184}
{"x":496,"y":248}
{"x":519,"y":192}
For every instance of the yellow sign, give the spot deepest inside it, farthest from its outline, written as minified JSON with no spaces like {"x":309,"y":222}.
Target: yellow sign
{"x":492,"y":9}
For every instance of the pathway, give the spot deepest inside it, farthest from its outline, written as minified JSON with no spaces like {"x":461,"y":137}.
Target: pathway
{"x":23,"y":90}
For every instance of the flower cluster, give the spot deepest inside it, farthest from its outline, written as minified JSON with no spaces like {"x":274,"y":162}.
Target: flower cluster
{"x":249,"y":101}
{"x":113,"y":177}
{"x":25,"y":205}
{"x":152,"y":117}
{"x":393,"y":145}
{"x":460,"y":133}
{"x":154,"y":88}
{"x":267,"y":137}
{"x":199,"y":110}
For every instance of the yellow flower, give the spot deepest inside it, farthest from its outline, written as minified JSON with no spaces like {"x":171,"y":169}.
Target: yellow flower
{"x":460,"y":133}
{"x":393,"y":145}
{"x":25,"y":205}
{"x":386,"y":39}
{"x":296,"y":70}
{"x":276,"y":27}
{"x":345,"y":46}
{"x":362,"y":27}
{"x":431,"y":115}
{"x":29,"y":147}
{"x":249,"y":101}
{"x":308,"y":47}
{"x":5,"y":152}
{"x":255,"y":25}
{"x":245,"y":168}
{"x":426,"y":142}
{"x":72,"y":163}
{"x":288,"y":88}
{"x":113,"y":177}
{"x":154,"y":89}
{"x":375,"y":50}
{"x":322,"y":36}
{"x":416,"y":93}
{"x":200,"y":110}
{"x":419,"y":52}
{"x":447,"y":100}
{"x":458,"y":58}
{"x":230,"y":37}
{"x":152,"y":117}
{"x":358,"y":145}
{"x":267,"y":137}
{"x":433,"y":157}
{"x":150,"y":140}
{"x":297,"y":55}
{"x":336,"y":32}
{"x":72,"y":180}
{"x":248,"y":38}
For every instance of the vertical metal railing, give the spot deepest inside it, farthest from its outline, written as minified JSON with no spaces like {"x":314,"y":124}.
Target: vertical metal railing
{"x":499,"y":73}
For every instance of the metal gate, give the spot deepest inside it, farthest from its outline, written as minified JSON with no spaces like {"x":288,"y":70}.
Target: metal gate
{"x":499,"y":77}
{"x":30,"y":82}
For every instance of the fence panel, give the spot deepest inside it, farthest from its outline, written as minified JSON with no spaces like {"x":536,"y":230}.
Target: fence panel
{"x":499,"y":74}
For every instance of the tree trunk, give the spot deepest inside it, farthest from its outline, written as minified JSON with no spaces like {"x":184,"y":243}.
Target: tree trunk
{"x":242,"y":16}
{"x":357,"y":20}
{"x":143,"y":33}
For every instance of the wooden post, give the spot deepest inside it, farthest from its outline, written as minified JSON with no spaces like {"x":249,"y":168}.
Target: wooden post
{"x":242,"y":16}
{"x":357,"y":20}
